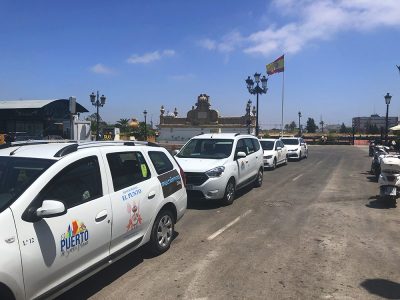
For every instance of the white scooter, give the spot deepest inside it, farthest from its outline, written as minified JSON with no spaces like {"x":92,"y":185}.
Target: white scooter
{"x":389,"y":179}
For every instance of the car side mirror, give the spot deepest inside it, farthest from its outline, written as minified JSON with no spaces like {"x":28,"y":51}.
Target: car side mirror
{"x":175,"y":152}
{"x":278,"y":148}
{"x":51,"y":208}
{"x":240,"y":154}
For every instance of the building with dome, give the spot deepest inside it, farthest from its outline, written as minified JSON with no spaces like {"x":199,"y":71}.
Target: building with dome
{"x":202,"y":119}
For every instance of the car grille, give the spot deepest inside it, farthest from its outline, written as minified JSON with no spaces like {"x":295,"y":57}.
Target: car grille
{"x":195,"y":178}
{"x":391,"y":177}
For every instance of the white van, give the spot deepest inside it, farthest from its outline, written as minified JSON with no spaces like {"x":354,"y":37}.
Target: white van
{"x":216,"y":165}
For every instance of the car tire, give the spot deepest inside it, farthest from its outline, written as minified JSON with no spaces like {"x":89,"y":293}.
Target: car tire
{"x":230,"y":191}
{"x":5,"y":293}
{"x":274,"y":165}
{"x":306,"y":154}
{"x":286,"y":160}
{"x":259,"y":180}
{"x":300,"y":156}
{"x":162,"y":232}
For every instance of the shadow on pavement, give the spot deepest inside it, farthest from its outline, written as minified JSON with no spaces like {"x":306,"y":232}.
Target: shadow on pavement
{"x":98,"y":281}
{"x":378,"y":203}
{"x":381,"y":287}
{"x":198,"y":203}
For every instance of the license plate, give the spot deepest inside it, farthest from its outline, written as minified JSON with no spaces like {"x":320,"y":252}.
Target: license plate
{"x":189,"y":186}
{"x":390,"y":190}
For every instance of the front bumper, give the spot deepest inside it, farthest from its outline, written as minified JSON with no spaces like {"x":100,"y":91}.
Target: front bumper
{"x":294,"y":154}
{"x":268,"y":162}
{"x":212,"y":188}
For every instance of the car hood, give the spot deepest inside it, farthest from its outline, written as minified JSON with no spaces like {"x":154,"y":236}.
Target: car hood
{"x":269,"y":152}
{"x":292,"y":147}
{"x":199,"y":164}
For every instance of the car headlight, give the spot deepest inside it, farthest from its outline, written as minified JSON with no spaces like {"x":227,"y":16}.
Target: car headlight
{"x":268,"y":156}
{"x":215,"y":172}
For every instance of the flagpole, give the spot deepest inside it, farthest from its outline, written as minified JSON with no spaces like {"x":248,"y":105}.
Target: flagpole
{"x":283,"y":96}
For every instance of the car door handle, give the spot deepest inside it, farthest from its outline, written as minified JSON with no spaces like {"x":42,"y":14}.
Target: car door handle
{"x":151,"y":195}
{"x":101,"y":216}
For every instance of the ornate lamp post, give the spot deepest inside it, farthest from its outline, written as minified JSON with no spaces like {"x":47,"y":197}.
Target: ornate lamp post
{"x":97,"y":103}
{"x":322,"y":126}
{"x":299,"y":123}
{"x":257,"y":90}
{"x":145,"y":124}
{"x":387,"y":100}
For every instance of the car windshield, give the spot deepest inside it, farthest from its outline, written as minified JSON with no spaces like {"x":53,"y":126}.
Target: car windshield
{"x":267,"y":145}
{"x":290,"y":141}
{"x":17,"y":174}
{"x":207,"y":148}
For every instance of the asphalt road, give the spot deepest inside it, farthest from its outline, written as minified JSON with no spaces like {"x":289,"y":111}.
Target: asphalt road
{"x":314,"y":230}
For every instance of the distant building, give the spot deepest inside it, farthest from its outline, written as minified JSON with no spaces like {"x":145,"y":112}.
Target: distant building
{"x":361,"y":123}
{"x":202,"y":119}
{"x":38,"y":118}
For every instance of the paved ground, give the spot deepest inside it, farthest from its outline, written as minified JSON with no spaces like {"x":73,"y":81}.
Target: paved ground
{"x":315,"y":230}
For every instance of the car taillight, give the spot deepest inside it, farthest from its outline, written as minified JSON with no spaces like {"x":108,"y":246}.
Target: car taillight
{"x":183,"y":176}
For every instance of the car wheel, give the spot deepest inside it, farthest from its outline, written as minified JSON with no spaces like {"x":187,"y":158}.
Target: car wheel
{"x":300,"y":155}
{"x":286,"y":159}
{"x":230,"y":191}
{"x":162,"y":232}
{"x":274,"y":165}
{"x":259,"y":179}
{"x":306,"y":154}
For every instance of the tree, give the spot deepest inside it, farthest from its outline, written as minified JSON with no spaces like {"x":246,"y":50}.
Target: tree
{"x":287,"y":127}
{"x":343,"y":129}
{"x":292,"y":126}
{"x":93,"y":120}
{"x":139,"y":132}
{"x":311,"y":127}
{"x":372,"y":129}
{"x":123,"y":125}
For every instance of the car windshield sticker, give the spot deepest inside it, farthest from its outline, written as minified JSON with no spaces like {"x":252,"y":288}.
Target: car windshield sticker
{"x":131,"y":193}
{"x":135,"y":218}
{"x":144,"y":170}
{"x":74,"y":238}
{"x":170,"y":182}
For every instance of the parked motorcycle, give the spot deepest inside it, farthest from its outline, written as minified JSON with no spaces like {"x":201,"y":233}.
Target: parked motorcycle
{"x":389,"y":179}
{"x":379,"y":152}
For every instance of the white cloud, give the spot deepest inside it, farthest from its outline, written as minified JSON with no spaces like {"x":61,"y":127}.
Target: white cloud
{"x":150,"y":56}
{"x":182,"y":77}
{"x":313,"y":20}
{"x":102,"y":69}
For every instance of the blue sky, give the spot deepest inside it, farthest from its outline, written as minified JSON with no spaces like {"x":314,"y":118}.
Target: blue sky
{"x":340,"y":55}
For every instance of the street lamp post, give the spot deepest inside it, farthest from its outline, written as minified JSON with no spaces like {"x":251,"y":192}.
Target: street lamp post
{"x":387,"y":100}
{"x":322,"y":126}
{"x":97,"y":102}
{"x":145,"y":124}
{"x":299,"y":123}
{"x":248,"y":108}
{"x":257,"y":90}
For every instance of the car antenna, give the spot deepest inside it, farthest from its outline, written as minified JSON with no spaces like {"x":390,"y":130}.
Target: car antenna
{"x":15,"y":150}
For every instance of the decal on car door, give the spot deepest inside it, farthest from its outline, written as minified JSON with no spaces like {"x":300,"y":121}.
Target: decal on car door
{"x":134,"y":217}
{"x":170,"y":182}
{"x":74,"y":238}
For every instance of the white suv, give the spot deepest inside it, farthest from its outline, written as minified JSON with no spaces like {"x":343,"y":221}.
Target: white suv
{"x":297,"y":147}
{"x":67,"y":210}
{"x":216,"y":165}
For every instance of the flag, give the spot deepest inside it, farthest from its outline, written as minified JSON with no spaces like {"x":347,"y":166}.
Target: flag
{"x":276,"y":66}
{"x":398,"y":67}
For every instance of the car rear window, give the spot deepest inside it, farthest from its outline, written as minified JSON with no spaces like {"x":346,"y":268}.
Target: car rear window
{"x":161,"y":162}
{"x":290,"y":141}
{"x":127,"y":168}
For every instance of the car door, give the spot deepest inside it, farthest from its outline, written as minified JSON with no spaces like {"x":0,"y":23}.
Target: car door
{"x":243,"y":168}
{"x":135,"y":193}
{"x":284,"y":150}
{"x":252,"y":156}
{"x":56,"y":249}
{"x":278,"y":152}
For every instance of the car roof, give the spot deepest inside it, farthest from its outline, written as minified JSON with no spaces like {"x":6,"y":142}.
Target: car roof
{"x":290,"y":138}
{"x":57,"y":149}
{"x":222,"y":136}
{"x":269,"y":140}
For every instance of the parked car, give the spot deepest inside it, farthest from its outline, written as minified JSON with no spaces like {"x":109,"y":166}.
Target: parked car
{"x":68,"y":210}
{"x":296,"y":146}
{"x":275,"y":152}
{"x":217,"y":165}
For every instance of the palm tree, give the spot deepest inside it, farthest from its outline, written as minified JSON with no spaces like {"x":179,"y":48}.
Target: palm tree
{"x":123,"y":124}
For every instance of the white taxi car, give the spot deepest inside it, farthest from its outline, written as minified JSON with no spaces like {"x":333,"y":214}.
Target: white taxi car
{"x":216,"y":165}
{"x":297,"y":148}
{"x":275,"y":152}
{"x":67,"y":210}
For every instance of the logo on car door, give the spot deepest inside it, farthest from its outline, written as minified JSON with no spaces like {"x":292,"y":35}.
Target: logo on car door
{"x":74,"y":238}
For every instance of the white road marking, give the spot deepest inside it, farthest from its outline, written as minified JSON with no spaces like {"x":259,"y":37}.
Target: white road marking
{"x":297,"y":177}
{"x":218,"y":232}
{"x":319,"y":162}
